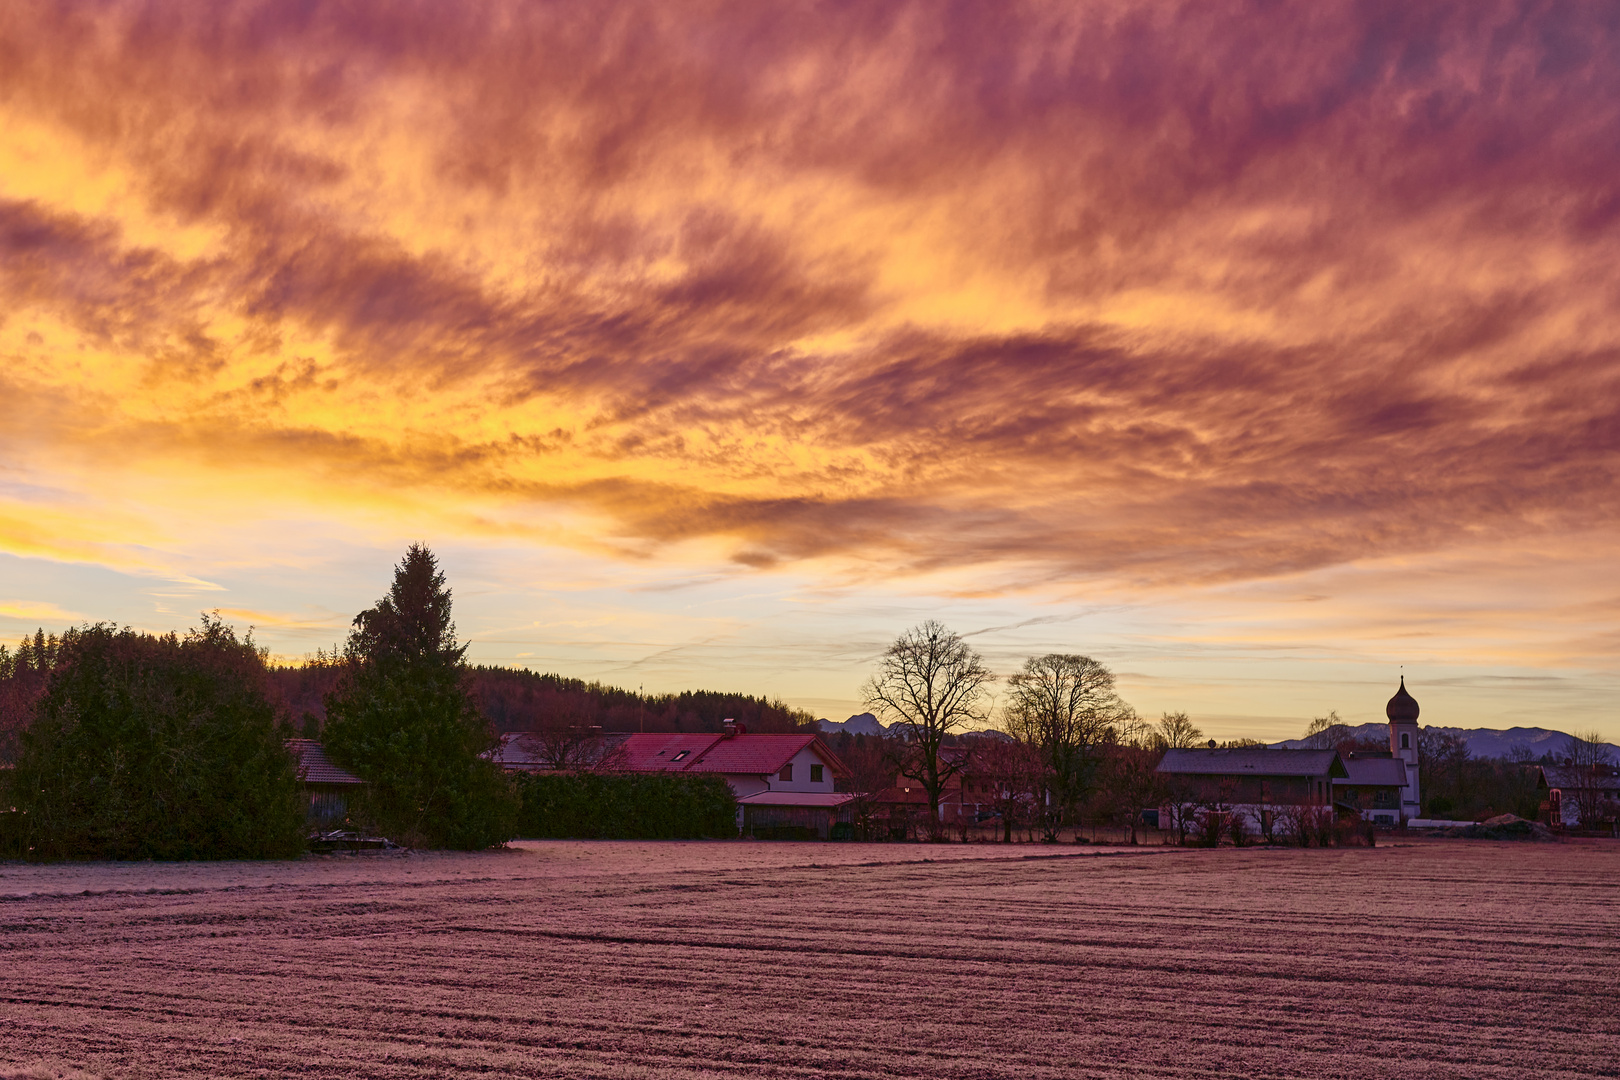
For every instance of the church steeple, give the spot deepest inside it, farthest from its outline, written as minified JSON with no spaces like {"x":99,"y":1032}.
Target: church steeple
{"x":1402,"y":711}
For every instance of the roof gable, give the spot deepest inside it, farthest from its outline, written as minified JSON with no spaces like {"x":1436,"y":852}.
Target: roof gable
{"x":1375,"y":772}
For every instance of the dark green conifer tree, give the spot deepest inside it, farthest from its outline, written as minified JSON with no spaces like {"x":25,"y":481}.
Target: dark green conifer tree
{"x":403,"y":719}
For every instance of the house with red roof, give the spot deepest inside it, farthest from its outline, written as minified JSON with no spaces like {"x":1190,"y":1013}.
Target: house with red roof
{"x":786,"y":785}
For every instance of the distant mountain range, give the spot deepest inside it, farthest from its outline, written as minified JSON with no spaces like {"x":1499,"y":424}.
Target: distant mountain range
{"x":867,"y":724}
{"x":1482,"y":742}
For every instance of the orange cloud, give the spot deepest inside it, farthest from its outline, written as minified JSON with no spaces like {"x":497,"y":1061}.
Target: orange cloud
{"x":1155,"y":294}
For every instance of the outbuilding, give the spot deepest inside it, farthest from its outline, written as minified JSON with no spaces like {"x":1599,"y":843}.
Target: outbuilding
{"x":327,"y":788}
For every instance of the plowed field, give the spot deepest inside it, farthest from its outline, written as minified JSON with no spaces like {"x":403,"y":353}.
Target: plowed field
{"x":1439,"y":959}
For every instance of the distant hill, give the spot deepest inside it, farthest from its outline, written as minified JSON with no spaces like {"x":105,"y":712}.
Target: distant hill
{"x":1482,"y":742}
{"x":859,"y":724}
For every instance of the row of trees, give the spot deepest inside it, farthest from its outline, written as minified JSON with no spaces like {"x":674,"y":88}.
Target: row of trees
{"x":131,"y":745}
{"x":516,"y":699}
{"x":1072,"y":743}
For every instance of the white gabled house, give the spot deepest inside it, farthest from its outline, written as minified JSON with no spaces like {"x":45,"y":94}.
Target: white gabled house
{"x":786,"y":785}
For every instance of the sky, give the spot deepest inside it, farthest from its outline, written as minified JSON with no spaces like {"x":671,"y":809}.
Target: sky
{"x":1256,"y":349}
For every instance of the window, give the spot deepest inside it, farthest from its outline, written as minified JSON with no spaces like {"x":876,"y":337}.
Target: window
{"x":1406,"y":742}
{"x":680,"y":755}
{"x":815,"y":774}
{"x":787,"y":773}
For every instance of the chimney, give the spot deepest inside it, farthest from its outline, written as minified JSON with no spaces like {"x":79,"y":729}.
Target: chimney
{"x":728,"y":730}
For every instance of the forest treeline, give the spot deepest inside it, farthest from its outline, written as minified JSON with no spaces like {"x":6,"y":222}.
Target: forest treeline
{"x":515,"y":699}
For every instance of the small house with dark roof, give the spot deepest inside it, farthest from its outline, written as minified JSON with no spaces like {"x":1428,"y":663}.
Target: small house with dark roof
{"x":327,"y":787}
{"x":785,"y":784}
{"x":1373,"y":787}
{"x":1580,"y":797}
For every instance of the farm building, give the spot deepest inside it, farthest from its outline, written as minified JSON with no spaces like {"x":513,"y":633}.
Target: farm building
{"x":785,"y":784}
{"x":328,"y":787}
{"x":1253,"y":783}
{"x":545,"y":751}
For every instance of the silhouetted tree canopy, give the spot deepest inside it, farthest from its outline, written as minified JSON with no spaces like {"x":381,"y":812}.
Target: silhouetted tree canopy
{"x":1066,"y":707}
{"x":931,"y":683}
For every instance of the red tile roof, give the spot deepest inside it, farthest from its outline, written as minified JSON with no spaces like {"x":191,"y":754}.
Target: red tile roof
{"x":315,"y":768}
{"x":662,"y":752}
{"x":750,"y":755}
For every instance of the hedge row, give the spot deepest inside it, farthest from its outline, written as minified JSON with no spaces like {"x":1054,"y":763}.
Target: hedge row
{"x":619,"y":806}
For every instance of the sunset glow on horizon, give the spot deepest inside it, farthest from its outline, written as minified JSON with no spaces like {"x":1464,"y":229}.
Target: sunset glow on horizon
{"x":1254,"y":349}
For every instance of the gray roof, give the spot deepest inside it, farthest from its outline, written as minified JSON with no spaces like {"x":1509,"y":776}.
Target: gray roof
{"x":1375,"y":772}
{"x":1253,"y":761}
{"x":314,"y":767}
{"x":1567,"y":778}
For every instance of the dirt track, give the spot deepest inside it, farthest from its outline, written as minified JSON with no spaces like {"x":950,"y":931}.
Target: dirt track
{"x":743,"y":960}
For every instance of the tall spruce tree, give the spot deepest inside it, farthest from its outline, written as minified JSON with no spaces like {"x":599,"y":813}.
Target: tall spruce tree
{"x":403,"y":719}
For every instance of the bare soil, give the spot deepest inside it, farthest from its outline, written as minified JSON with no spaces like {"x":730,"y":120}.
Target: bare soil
{"x":1435,"y":959}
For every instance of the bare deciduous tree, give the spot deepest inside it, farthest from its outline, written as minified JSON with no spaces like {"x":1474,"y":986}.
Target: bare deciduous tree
{"x":1131,"y":783}
{"x":1017,"y":780}
{"x":1326,"y":732}
{"x":1589,"y":758}
{"x":568,"y":736}
{"x":1443,"y":758}
{"x":1066,"y":707}
{"x":931,"y":683}
{"x":1177,"y":732}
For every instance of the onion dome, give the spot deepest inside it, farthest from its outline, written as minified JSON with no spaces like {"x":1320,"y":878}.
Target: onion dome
{"x":1403,"y":707}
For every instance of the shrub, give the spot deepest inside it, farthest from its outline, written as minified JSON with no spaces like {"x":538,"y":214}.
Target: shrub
{"x":625,"y":806}
{"x":148,"y":747}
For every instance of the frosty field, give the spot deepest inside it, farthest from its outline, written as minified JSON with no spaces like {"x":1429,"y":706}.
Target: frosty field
{"x":800,"y":960}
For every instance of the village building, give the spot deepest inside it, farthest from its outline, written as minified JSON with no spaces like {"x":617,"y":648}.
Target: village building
{"x":786,"y":785}
{"x":326,"y":787}
{"x":1580,"y":797}
{"x":966,"y":798}
{"x":548,"y":751}
{"x":1374,"y":786}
